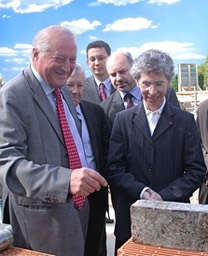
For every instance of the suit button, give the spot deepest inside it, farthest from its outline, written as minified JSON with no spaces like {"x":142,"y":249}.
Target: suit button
{"x":149,"y":169}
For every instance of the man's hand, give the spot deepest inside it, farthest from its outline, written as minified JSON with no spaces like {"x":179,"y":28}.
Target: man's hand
{"x":150,"y":194}
{"x":85,"y":181}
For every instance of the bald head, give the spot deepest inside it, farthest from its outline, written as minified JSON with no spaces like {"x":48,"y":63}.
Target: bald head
{"x":116,"y":57}
{"x":118,"y":66}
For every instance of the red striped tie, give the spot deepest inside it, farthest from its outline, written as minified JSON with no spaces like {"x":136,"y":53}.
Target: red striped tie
{"x":103,"y":95}
{"x":74,"y":160}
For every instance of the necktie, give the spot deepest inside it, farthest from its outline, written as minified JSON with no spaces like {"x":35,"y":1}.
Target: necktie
{"x":74,"y":160}
{"x":128,"y":99}
{"x":103,"y":95}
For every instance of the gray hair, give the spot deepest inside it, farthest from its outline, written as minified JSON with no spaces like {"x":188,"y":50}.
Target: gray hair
{"x":153,"y":61}
{"x":78,"y":69}
{"x":42,"y":40}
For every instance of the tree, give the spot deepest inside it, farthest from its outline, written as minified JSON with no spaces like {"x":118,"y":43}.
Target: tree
{"x":201,"y":80}
{"x":175,"y":83}
{"x":203,"y":73}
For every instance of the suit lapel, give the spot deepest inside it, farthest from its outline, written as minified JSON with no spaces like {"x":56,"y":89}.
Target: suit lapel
{"x":117,"y":102}
{"x":90,"y":119}
{"x":140,"y":121}
{"x":43,"y":102}
{"x":165,"y":121}
{"x":71,"y":106}
{"x":112,"y":89}
{"x":93,"y":90}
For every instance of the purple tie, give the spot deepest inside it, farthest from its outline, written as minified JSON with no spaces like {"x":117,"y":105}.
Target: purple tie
{"x":103,"y":95}
{"x":73,"y":156}
{"x":128,"y":99}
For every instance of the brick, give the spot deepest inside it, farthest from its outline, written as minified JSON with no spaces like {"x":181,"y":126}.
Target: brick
{"x":170,"y":224}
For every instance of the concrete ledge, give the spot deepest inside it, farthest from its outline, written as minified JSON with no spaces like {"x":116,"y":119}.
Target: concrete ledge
{"x":169,"y":224}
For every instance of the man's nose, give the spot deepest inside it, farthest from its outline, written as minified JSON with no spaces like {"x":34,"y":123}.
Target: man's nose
{"x":118,"y":77}
{"x":68,"y":66}
{"x":75,"y":89}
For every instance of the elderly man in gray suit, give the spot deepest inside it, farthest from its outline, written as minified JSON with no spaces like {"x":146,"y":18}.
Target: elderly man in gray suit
{"x":39,"y":186}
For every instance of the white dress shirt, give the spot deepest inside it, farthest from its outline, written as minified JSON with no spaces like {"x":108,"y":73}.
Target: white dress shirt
{"x":153,"y":116}
{"x":86,"y":140}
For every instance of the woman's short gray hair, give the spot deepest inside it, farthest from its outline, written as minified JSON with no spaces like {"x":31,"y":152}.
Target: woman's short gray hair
{"x":154,"y":61}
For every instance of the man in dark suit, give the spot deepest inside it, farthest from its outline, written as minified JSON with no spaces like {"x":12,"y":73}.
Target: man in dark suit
{"x":95,"y":137}
{"x":155,"y":151}
{"x":98,"y":86}
{"x":39,"y":185}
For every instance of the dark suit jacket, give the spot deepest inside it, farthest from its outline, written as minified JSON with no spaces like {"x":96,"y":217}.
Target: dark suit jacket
{"x":91,"y":92}
{"x":34,"y":169}
{"x":171,"y":97}
{"x":99,"y":137}
{"x":170,"y":162}
{"x":114,"y":103}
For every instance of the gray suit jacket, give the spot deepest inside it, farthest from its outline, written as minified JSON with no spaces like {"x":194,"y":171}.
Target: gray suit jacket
{"x":112,"y":105}
{"x":91,"y":92}
{"x":33,"y":169}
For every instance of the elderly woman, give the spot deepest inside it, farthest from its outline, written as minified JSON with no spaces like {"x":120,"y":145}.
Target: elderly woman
{"x":155,"y":151}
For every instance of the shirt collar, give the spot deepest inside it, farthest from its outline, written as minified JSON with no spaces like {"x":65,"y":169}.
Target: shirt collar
{"x":47,"y":89}
{"x":135,"y":91}
{"x":159,"y":110}
{"x":106,"y":82}
{"x":78,"y":109}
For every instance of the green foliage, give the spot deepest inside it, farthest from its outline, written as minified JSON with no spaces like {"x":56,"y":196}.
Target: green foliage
{"x":201,"y":81}
{"x":175,"y":83}
{"x":203,"y":74}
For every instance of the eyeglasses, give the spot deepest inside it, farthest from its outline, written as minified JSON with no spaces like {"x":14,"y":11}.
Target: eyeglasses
{"x":98,"y":58}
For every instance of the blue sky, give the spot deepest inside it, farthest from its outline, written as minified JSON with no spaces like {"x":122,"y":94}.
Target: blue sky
{"x":178,"y":27}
